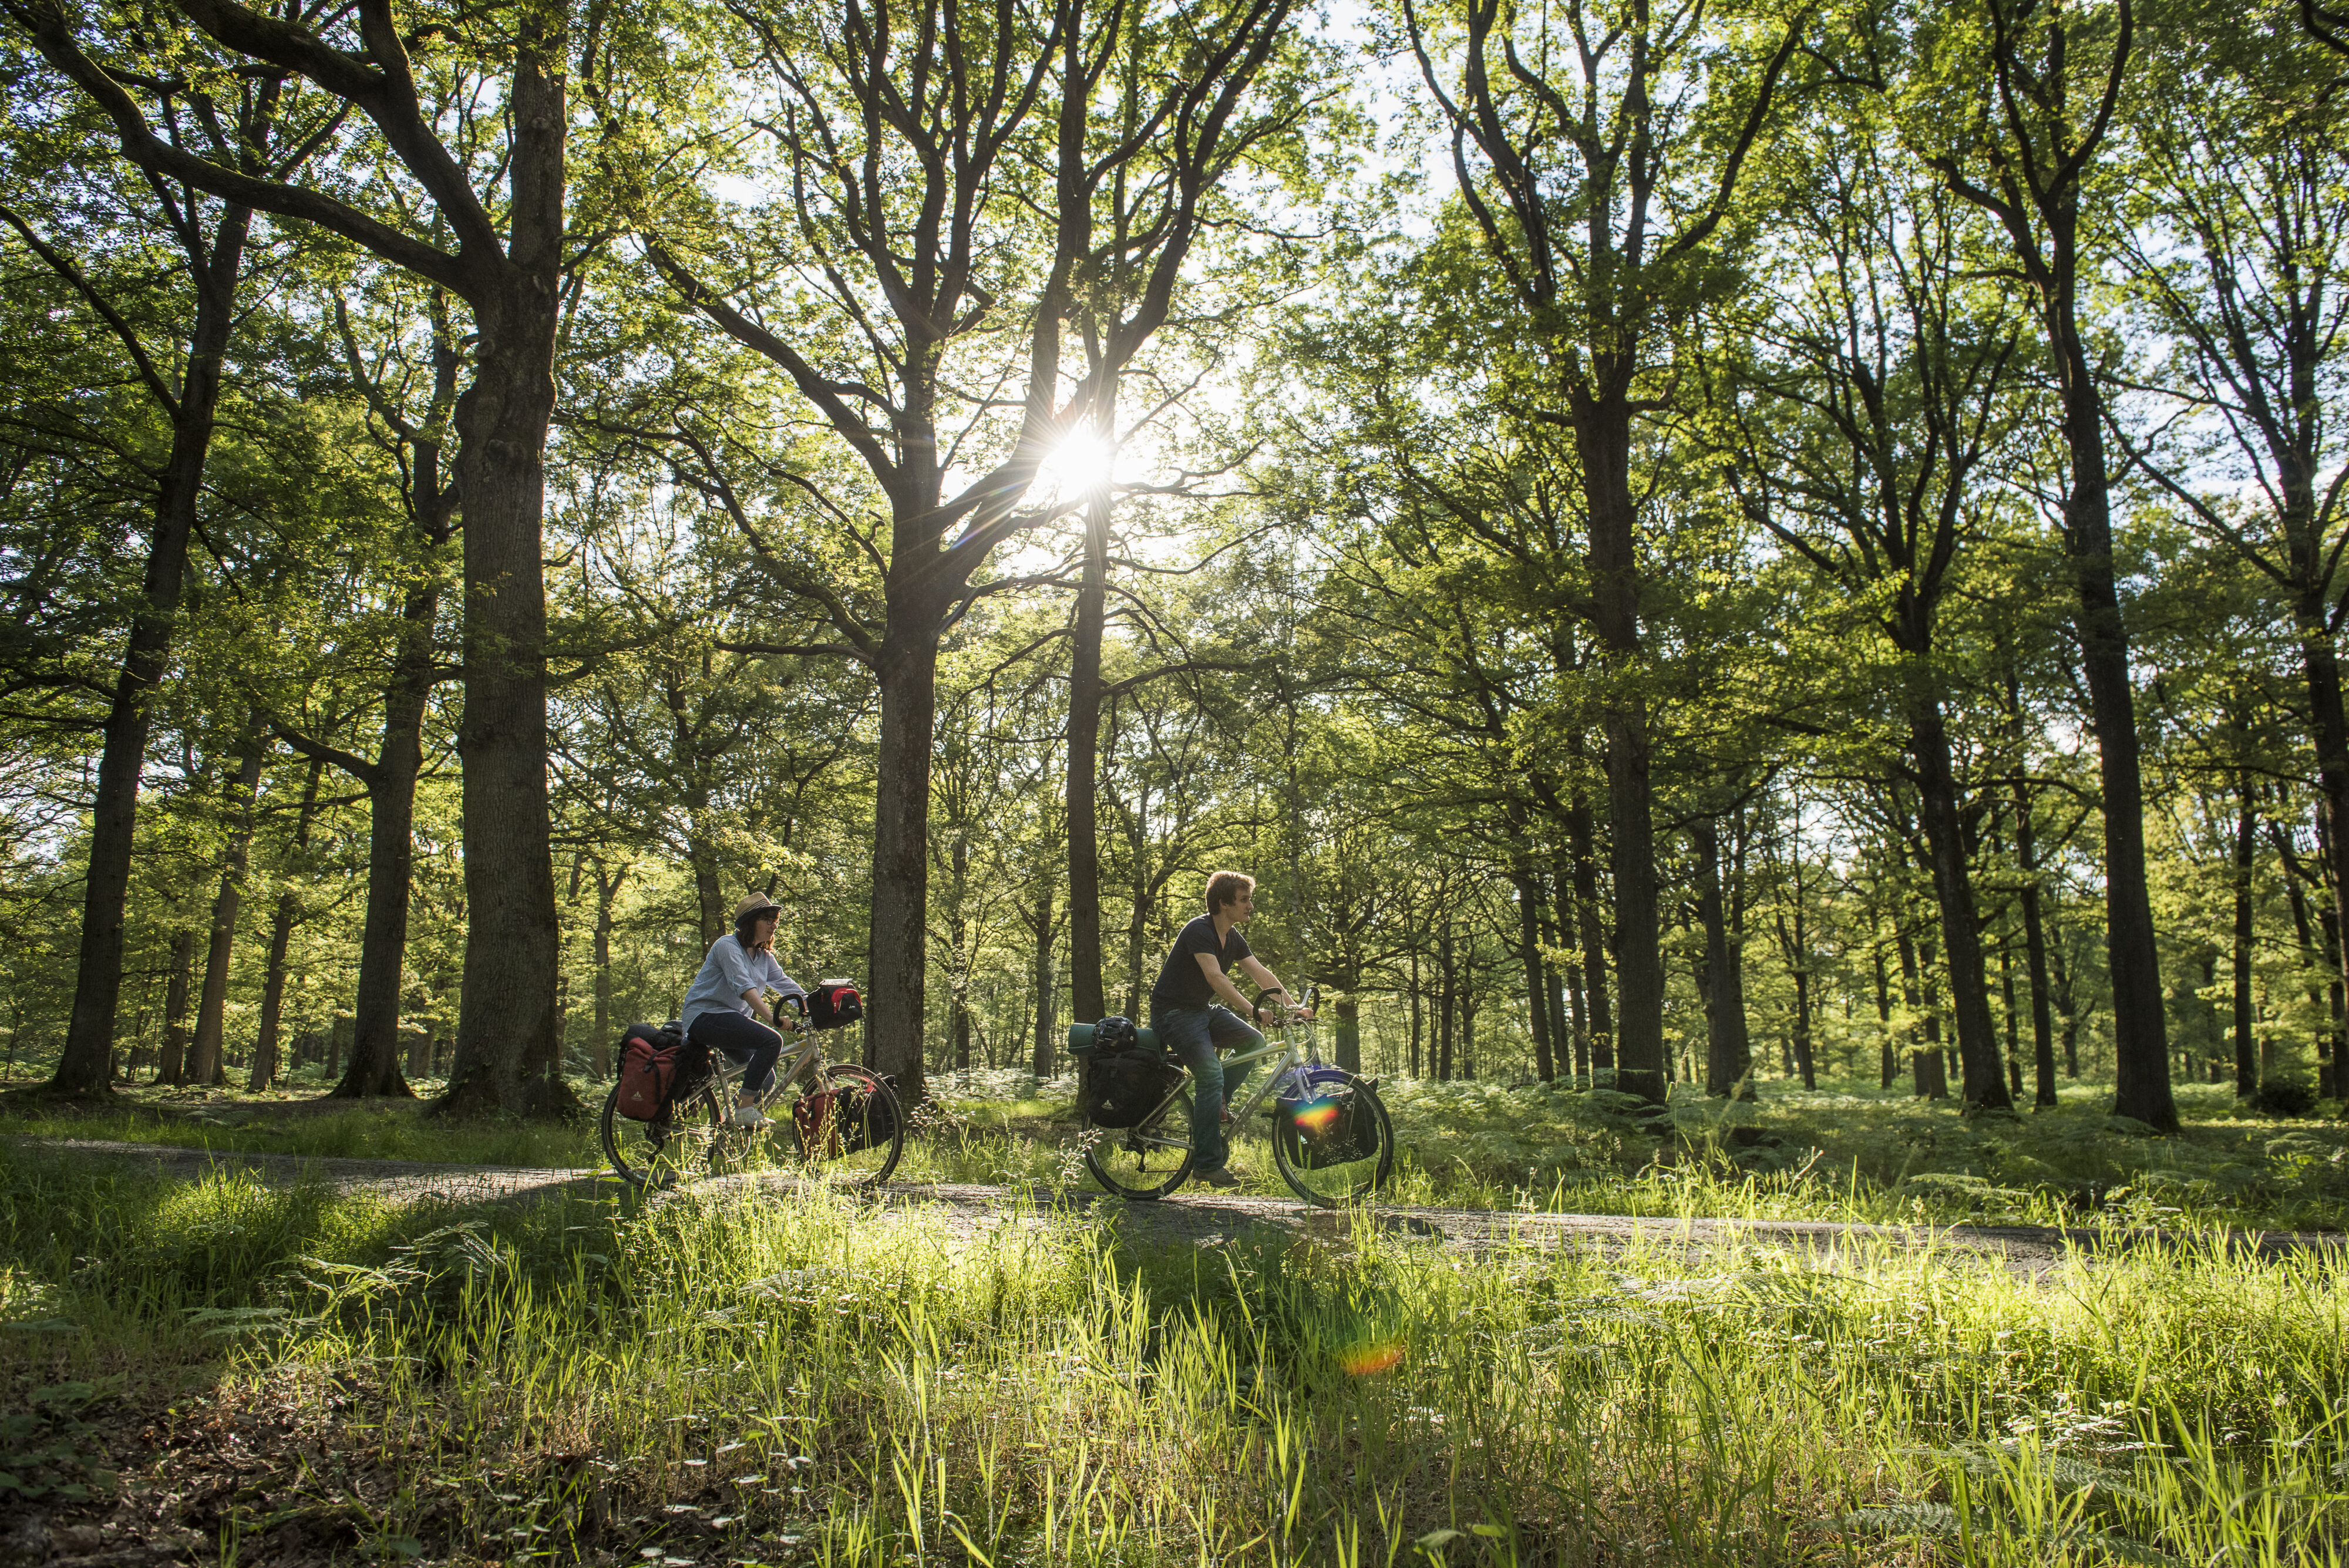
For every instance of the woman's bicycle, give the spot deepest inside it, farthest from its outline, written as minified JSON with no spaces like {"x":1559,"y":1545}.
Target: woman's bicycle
{"x":1332,"y":1139}
{"x":843,"y":1126}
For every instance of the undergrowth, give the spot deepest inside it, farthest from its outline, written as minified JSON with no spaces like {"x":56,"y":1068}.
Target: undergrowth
{"x":821,"y":1381}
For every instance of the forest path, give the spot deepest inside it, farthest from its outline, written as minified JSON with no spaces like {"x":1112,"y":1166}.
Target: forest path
{"x":1202,"y":1219}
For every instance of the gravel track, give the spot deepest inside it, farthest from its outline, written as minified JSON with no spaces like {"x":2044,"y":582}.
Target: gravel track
{"x":1194,"y":1219}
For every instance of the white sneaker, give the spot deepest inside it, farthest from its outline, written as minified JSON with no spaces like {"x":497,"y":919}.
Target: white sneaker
{"x":750,"y":1118}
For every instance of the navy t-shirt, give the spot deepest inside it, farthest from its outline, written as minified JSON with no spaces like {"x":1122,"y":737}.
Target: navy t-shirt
{"x":1181,"y":982}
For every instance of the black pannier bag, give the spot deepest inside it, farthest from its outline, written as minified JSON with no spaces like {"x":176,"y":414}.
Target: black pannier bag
{"x":865,"y":1120}
{"x":1320,"y":1121}
{"x":1124,"y":1079}
{"x":834,"y":1005}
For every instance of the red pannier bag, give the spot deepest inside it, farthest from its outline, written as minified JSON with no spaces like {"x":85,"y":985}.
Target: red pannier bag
{"x":649,"y":1064}
{"x":833,"y":1005}
{"x":815,"y":1117}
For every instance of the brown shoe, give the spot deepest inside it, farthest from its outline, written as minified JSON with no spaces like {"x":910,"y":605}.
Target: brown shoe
{"x":1222,"y":1176}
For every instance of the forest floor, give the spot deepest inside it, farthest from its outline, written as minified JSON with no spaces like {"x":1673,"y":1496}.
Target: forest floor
{"x":1197,"y":1217}
{"x":247,"y":1333}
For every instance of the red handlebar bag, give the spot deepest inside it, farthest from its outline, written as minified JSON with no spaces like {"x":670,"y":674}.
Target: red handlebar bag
{"x":834,"y":1005}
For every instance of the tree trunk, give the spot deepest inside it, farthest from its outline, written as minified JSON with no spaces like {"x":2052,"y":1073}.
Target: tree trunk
{"x":2247,"y":827}
{"x":1417,"y":1012}
{"x":509,"y":1046}
{"x":1801,"y":1041}
{"x":709,"y":890}
{"x":1564,"y":1028}
{"x":958,"y":946}
{"x":1983,"y":1085}
{"x":2140,"y":1027}
{"x":375,"y":1053}
{"x":172,"y":1067}
{"x":2035,"y":947}
{"x":86,"y":1063}
{"x":2313,"y":965}
{"x":1638,"y":954}
{"x":1887,"y":1066}
{"x":1729,"y":1051}
{"x":1584,"y":879}
{"x":1046,"y":990}
{"x":1529,"y":954}
{"x":2067,"y":1004}
{"x":2328,"y":727}
{"x":1602,"y":431}
{"x":2014,"y":1020}
{"x":1350,"y":1033}
{"x":897,"y":1006}
{"x":206,"y":1064}
{"x":607,"y":890}
{"x":280,"y":938}
{"x":1086,"y":997}
{"x":2141,"y":1030}
{"x":1445,"y":993}
{"x":508,"y":1030}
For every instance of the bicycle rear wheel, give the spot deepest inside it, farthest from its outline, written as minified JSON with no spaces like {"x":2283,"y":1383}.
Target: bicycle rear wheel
{"x":855,"y":1137}
{"x":1336,"y":1146}
{"x":688,"y":1140}
{"x":1149,"y":1160}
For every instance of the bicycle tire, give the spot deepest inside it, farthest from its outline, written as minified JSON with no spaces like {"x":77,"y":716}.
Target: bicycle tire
{"x":685,"y":1143}
{"x":877,"y":1153}
{"x":1120,"y":1157}
{"x":1329,"y":1186}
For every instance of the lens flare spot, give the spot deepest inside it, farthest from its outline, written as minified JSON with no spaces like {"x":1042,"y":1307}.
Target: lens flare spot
{"x":1316,"y":1115}
{"x":1365,"y":1360}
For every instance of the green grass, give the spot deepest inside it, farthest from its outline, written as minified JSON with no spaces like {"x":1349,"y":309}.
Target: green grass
{"x":817,"y":1382}
{"x":1844,"y":1152}
{"x":380,"y":1130}
{"x":1851,"y":1152}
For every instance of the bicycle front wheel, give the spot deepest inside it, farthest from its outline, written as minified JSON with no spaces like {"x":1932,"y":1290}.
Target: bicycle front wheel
{"x":1336,"y":1146}
{"x":850,"y":1133}
{"x":686,"y":1142}
{"x":1148,"y":1161}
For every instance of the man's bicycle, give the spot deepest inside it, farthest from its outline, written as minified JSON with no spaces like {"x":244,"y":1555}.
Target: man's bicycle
{"x":1332,"y":1139}
{"x":843,"y":1126}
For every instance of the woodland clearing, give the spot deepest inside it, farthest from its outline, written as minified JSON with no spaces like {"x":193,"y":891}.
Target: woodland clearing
{"x":258,"y":1367}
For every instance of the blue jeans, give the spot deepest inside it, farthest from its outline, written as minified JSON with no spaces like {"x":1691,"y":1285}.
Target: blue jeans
{"x":747,"y":1042}
{"x":1193,"y":1033}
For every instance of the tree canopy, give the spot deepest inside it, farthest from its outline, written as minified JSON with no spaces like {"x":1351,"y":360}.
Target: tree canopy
{"x":1688,"y":543}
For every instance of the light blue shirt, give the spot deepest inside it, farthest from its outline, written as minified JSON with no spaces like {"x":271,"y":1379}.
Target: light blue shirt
{"x":728,"y":971}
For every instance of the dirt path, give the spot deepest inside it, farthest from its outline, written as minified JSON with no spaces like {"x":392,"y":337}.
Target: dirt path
{"x":1190,"y":1218}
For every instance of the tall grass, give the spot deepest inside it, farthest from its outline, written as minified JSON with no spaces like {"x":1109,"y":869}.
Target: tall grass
{"x":822,"y":1381}
{"x":376,"y":1130}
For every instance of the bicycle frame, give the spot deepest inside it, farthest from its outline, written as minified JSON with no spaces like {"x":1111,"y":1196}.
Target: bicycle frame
{"x":1293,"y":1054}
{"x":801,"y":1053}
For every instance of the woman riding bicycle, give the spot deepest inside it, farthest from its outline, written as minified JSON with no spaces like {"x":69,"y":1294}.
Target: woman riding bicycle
{"x":726,"y":1008}
{"x":1183,"y":1011}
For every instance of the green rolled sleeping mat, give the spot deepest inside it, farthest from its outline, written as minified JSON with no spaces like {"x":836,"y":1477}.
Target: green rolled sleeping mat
{"x":1080,"y":1037}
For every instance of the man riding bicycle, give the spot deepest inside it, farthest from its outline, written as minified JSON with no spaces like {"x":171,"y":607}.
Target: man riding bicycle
{"x":1183,"y":1011}
{"x":726,"y":1008}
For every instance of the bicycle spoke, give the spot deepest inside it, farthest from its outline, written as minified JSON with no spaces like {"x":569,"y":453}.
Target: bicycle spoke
{"x":850,"y":1131}
{"x":1338,"y":1146}
{"x":1148,"y":1160}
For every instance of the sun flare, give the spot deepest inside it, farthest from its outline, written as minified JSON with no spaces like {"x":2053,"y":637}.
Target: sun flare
{"x":1080,"y":462}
